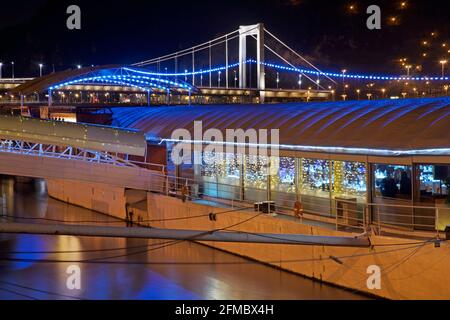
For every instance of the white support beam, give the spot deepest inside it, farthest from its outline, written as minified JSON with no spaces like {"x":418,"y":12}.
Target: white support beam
{"x":193,"y":235}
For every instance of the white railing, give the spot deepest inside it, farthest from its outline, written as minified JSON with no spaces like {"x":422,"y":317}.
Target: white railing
{"x":67,"y":152}
{"x":333,"y":211}
{"x":338,"y":213}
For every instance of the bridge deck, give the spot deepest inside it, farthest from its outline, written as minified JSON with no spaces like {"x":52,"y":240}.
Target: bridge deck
{"x":33,"y":166}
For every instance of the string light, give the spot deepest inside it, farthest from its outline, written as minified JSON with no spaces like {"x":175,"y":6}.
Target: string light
{"x":351,"y":76}
{"x":148,"y":78}
{"x":129,"y":80}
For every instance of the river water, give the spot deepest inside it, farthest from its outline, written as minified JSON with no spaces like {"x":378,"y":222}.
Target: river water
{"x":127,"y":268}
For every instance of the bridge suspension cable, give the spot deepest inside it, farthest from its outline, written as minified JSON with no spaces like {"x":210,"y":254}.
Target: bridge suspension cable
{"x":297,"y":54}
{"x":309,"y":71}
{"x":194,"y":49}
{"x":286,"y":61}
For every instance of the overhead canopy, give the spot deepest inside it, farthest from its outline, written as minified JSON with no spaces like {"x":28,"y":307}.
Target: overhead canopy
{"x":83,"y":136}
{"x":403,"y":125}
{"x":110,"y":75}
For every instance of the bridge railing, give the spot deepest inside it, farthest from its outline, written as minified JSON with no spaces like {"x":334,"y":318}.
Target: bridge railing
{"x":70,"y":153}
{"x":337,"y":213}
{"x":342,"y":213}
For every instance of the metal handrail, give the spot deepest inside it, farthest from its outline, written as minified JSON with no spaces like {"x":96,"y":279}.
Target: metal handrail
{"x":357,"y":216}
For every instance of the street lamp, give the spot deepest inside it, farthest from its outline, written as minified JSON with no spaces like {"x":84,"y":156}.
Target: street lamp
{"x":1,"y":66}
{"x":443,"y":63}
{"x":408,"y":67}
{"x":344,"y":71}
{"x":12,"y":65}
{"x":235,"y":79}
{"x":278,"y":80}
{"x":383,"y":91}
{"x":300,"y":81}
{"x":220,"y":72}
{"x":185,"y":75}
{"x":358,"y":92}
{"x":40,"y":69}
{"x":78,"y":66}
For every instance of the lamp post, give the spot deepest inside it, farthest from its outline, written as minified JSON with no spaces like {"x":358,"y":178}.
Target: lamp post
{"x":443,"y":63}
{"x":220,"y":72}
{"x":358,"y":92}
{"x":40,"y":69}
{"x":235,"y":79}
{"x":12,"y":65}
{"x":1,"y":66}
{"x":344,"y":71}
{"x":300,"y":81}
{"x":278,"y":80}
{"x":408,"y":67}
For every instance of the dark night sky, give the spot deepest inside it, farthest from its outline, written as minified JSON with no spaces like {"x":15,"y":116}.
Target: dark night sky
{"x":130,"y":31}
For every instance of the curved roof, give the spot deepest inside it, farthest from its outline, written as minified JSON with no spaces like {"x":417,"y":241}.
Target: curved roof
{"x":85,"y":136}
{"x":404,"y":125}
{"x":107,"y":75}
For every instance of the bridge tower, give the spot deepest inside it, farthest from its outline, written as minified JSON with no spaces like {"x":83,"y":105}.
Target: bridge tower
{"x":255,"y":31}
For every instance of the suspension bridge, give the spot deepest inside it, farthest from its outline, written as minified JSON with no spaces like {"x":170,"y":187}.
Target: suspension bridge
{"x":247,"y":65}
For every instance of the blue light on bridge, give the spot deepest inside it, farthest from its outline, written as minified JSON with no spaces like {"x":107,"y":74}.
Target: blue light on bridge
{"x":296,"y":70}
{"x":147,"y":80}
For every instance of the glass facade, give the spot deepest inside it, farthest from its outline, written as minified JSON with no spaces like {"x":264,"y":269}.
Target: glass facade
{"x":392,"y":181}
{"x":315,"y":181}
{"x":330,"y":187}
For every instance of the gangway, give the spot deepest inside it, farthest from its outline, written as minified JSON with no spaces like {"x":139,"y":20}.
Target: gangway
{"x":58,"y":150}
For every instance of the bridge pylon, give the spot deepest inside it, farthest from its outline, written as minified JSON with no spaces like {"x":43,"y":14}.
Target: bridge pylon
{"x":256,"y":31}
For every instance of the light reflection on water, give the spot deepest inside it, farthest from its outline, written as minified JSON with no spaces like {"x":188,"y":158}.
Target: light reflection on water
{"x":241,"y":280}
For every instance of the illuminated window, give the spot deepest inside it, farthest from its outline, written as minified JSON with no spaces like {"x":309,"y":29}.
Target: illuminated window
{"x":349,"y":178}
{"x":256,"y":170}
{"x":434,"y":180}
{"x":284,"y":179}
{"x":392,"y":181}
{"x":221,"y":175}
{"x":315,"y":177}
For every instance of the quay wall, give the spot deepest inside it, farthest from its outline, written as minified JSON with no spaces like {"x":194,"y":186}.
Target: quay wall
{"x":409,"y":269}
{"x":109,"y":200}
